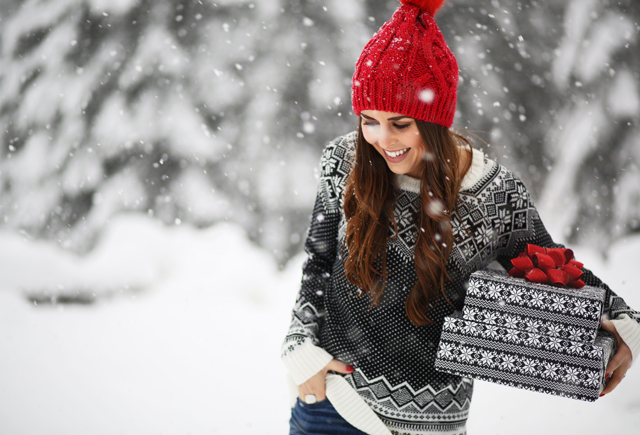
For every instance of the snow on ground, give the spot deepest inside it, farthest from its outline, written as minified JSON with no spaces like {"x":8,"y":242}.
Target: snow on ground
{"x":184,"y":338}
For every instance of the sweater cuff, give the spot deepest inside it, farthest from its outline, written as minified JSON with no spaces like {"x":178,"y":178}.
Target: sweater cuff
{"x":629,"y":331}
{"x":306,"y":361}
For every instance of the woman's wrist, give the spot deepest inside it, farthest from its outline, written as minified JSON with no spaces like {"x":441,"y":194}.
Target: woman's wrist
{"x":629,"y":330}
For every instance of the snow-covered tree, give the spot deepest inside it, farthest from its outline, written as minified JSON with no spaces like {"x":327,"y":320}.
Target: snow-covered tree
{"x":593,"y":187}
{"x":555,"y":89}
{"x":189,"y":110}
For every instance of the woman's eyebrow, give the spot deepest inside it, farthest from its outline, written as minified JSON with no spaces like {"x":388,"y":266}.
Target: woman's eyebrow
{"x":396,"y":118}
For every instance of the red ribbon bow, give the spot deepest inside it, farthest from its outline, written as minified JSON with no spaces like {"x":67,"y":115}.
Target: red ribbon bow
{"x":548,"y":266}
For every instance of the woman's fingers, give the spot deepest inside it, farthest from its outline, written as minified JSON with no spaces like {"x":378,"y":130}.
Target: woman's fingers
{"x":339,"y":366}
{"x":316,"y":384}
{"x":617,"y":368}
{"x":618,"y":359}
{"x":615,"y":379}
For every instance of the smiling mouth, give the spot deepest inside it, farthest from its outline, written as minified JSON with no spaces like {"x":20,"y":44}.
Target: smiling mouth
{"x":394,"y":154}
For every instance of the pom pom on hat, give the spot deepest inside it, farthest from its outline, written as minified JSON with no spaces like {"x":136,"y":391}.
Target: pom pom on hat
{"x":430,"y":6}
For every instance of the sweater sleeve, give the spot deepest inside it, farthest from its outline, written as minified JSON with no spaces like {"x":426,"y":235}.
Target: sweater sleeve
{"x":625,"y":319}
{"x":301,"y":351}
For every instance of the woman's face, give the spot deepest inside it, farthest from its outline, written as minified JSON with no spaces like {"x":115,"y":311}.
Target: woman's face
{"x":397,"y":139}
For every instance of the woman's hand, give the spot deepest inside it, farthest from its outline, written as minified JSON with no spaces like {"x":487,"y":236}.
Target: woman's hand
{"x":621,"y":361}
{"x":315,"y":384}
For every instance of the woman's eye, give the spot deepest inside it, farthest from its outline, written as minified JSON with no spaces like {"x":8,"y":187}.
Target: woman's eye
{"x":369,"y":123}
{"x":401,"y":126}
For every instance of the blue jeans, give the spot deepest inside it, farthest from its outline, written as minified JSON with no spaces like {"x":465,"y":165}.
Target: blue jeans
{"x":319,"y":418}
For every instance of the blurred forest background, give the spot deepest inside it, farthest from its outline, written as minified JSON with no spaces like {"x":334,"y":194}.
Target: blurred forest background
{"x":201,"y":111}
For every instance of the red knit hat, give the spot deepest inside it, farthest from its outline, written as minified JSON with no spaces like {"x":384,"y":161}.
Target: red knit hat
{"x":408,"y":68}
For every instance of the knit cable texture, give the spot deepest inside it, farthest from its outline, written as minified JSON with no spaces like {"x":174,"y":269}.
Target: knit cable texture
{"x":407,"y":68}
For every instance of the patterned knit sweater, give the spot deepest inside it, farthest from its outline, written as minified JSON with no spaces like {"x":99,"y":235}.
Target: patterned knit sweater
{"x":394,"y":387}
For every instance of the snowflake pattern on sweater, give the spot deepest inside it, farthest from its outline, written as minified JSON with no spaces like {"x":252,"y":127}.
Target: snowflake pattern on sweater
{"x":393,"y":359}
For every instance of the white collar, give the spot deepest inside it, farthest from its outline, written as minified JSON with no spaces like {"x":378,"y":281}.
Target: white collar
{"x":472,"y":176}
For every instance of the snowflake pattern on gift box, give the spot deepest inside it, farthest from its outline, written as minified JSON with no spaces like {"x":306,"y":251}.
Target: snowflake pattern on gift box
{"x":592,"y":378}
{"x":449,"y":323}
{"x":446,"y":350}
{"x":559,"y":303}
{"x":526,"y":338}
{"x":555,"y":343}
{"x":537,"y":299}
{"x":521,"y":365}
{"x":512,"y":335}
{"x":514,"y":321}
{"x":509,"y":362}
{"x":491,"y":331}
{"x":496,"y":286}
{"x":516,"y":295}
{"x":532,"y":325}
{"x":549,"y":370}
{"x":487,"y":357}
{"x":529,"y":365}
{"x":553,"y":330}
{"x":580,"y":307}
{"x":466,"y":354}
{"x":494,"y":290}
{"x":572,"y":375}
{"x":575,"y":347}
{"x":505,"y":362}
{"x":490,"y":318}
{"x":474,"y":288}
{"x":511,"y":322}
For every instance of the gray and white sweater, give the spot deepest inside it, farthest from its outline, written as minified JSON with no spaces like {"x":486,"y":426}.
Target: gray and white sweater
{"x":395,"y":387}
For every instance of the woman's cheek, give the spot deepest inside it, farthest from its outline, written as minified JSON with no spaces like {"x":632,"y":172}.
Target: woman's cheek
{"x":370,"y":133}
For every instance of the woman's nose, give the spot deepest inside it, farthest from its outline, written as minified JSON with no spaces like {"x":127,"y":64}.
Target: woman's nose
{"x":386,"y":138}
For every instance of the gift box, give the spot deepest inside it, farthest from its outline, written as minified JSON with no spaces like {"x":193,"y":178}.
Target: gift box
{"x":525,"y":359}
{"x":496,"y":298}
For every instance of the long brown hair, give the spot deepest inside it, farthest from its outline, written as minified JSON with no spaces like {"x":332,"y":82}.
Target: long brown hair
{"x":368,"y":206}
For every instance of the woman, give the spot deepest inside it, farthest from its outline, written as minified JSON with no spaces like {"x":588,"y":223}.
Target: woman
{"x":406,"y":211}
